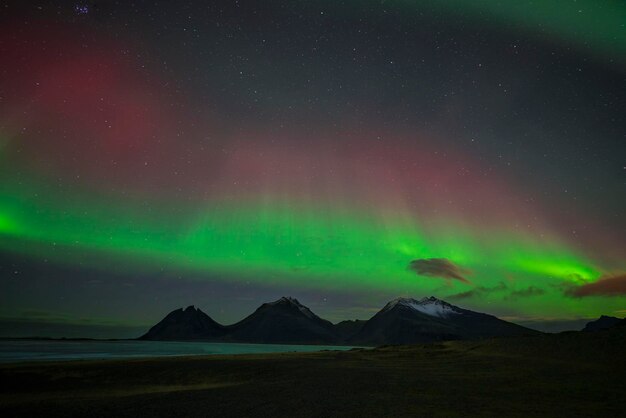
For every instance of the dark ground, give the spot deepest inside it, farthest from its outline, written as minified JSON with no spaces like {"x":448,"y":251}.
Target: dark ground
{"x":567,"y":375}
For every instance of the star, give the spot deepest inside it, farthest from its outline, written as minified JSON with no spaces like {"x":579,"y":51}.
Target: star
{"x":81,"y":9}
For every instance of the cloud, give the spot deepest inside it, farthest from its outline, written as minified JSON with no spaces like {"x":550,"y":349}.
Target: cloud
{"x":501,"y":287}
{"x":438,"y":267}
{"x":50,"y":317}
{"x":605,"y":286}
{"x":526,"y":293}
{"x":550,"y":324}
{"x":24,"y":328}
{"x":478,"y":291}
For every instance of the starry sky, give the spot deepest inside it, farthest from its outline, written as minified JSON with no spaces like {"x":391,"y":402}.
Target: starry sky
{"x":158,"y":154}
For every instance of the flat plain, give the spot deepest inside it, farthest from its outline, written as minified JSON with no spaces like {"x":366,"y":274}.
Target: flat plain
{"x":563,"y":375}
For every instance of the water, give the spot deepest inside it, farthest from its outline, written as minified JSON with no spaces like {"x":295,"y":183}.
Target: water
{"x":37,"y":350}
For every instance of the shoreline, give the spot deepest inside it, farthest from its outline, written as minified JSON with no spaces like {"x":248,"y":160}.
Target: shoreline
{"x":42,"y":351}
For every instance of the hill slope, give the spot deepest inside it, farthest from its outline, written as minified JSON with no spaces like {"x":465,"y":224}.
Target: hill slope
{"x":604,"y":322}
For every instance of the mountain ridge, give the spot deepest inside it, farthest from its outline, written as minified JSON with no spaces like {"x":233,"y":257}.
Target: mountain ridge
{"x":287,"y":321}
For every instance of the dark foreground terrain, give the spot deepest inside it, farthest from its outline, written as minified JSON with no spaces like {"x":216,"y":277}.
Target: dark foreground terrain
{"x":567,"y":375}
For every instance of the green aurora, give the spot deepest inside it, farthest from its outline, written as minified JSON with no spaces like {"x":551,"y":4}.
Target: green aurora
{"x":312,"y":248}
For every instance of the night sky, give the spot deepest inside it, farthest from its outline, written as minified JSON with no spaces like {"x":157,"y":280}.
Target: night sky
{"x":158,"y":154}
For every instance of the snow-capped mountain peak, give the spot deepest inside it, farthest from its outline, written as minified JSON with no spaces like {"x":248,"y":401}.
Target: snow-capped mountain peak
{"x":429,"y":305}
{"x":293,"y":301}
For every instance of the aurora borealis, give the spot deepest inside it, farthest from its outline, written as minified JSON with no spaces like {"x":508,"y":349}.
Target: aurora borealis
{"x":351,"y":152}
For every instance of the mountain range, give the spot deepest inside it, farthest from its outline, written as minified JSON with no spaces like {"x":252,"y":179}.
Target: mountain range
{"x":287,"y":321}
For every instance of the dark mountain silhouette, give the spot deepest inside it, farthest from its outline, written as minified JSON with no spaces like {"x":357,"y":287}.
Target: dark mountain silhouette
{"x":187,"y":324}
{"x":604,"y":322}
{"x":345,"y":330}
{"x":406,"y":321}
{"x":283,"y":321}
{"x":287,"y":321}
